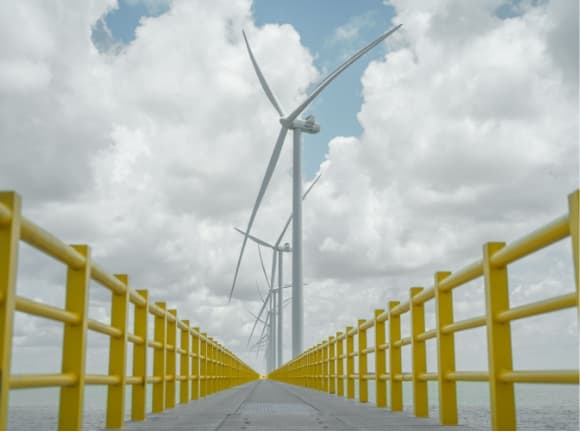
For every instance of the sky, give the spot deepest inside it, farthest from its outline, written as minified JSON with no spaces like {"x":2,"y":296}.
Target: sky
{"x":139,"y":128}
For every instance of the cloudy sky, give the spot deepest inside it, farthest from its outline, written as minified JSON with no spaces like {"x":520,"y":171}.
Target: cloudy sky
{"x":139,"y":128}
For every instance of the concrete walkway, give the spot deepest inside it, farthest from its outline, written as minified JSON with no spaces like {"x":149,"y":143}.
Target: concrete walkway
{"x":270,"y":405}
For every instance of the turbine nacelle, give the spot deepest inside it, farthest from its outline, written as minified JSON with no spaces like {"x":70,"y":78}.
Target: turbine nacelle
{"x":307,"y":125}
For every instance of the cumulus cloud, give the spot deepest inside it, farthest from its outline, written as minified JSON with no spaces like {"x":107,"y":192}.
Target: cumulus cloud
{"x":153,"y":151}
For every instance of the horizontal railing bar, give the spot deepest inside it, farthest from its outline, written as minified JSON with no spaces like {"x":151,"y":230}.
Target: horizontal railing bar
{"x":49,"y":244}
{"x":156,"y":310}
{"x":426,"y":335}
{"x":108,"y":281}
{"x":42,"y":380}
{"x":5,"y":215}
{"x":537,"y":308}
{"x":384,"y":377}
{"x":154,"y":379}
{"x":103,"y":328}
{"x":370,"y":377}
{"x":464,"y":325}
{"x":137,"y":340}
{"x":548,"y":377}
{"x":367,"y":324}
{"x":536,"y":240}
{"x":402,"y":342}
{"x":384,"y":346}
{"x":460,"y":277}
{"x":134,"y":380}
{"x":102,"y":379}
{"x":181,"y":325}
{"x":428,"y":376}
{"x":368,"y":350}
{"x":400,"y":309}
{"x":154,"y":344}
{"x":403,"y":377}
{"x":382,"y":317}
{"x":423,"y":296}
{"x":467,"y":376}
{"x":352,"y":332}
{"x":46,"y":311}
{"x":136,"y":298}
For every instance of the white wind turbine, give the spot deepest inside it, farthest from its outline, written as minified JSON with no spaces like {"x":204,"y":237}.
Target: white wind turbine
{"x":308,"y":125}
{"x":275,"y":296}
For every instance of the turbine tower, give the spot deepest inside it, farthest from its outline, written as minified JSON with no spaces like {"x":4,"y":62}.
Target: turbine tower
{"x":297,"y":125}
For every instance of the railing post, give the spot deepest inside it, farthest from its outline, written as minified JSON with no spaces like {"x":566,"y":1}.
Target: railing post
{"x":419,"y":360}
{"x":184,"y":363}
{"x":395,"y":359}
{"x":195,"y":383}
{"x":380,"y":361}
{"x":363,"y":384}
{"x":445,"y":353}
{"x":574,"y":218}
{"x":203,"y":365}
{"x":349,"y":363}
{"x":319,"y":384}
{"x":339,"y":365}
{"x":499,"y":342}
{"x":9,"y":242}
{"x":159,"y":360}
{"x":170,"y":359}
{"x":325,"y":378}
{"x":331,"y":363}
{"x":139,"y":391}
{"x":118,"y":357}
{"x":75,"y":343}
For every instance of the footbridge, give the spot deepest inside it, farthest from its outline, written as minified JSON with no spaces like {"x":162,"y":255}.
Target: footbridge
{"x":197,"y":383}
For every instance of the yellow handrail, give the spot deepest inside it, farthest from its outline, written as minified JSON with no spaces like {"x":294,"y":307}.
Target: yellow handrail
{"x":217,"y":370}
{"x":306,"y":369}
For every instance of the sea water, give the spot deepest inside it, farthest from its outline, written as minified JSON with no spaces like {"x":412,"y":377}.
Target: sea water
{"x":539,"y":406}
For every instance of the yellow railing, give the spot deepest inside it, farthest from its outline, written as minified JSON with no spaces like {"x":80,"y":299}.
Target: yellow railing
{"x":206,"y":366}
{"x":322,"y":366}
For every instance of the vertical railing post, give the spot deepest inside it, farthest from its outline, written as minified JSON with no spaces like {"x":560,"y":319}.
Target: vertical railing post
{"x":339,"y":365}
{"x":499,"y":342}
{"x":419,"y":356}
{"x":9,"y":242}
{"x":195,"y":383}
{"x":139,"y":391}
{"x":325,"y":378}
{"x":380,"y":361}
{"x":184,"y":363}
{"x":170,"y":359}
{"x":159,"y":360}
{"x":75,"y":343}
{"x":118,"y":357}
{"x":331,"y":363}
{"x":574,"y":223}
{"x":445,"y":353}
{"x":363,"y":384}
{"x":395,"y":384}
{"x":349,"y":363}
{"x":203,"y":365}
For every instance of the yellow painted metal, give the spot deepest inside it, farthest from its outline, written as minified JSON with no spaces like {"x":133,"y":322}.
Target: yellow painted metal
{"x":74,"y":343}
{"x":195,"y":364}
{"x":139,"y":390}
{"x":468,"y":376}
{"x":445,"y":353}
{"x":184,"y":364}
{"x":339,"y":365}
{"x":46,"y":311}
{"x":467,"y":324}
{"x":108,"y":281}
{"x":419,"y":356}
{"x":118,"y":357}
{"x":462,"y":276}
{"x":537,"y":308}
{"x":530,"y":376}
{"x":103,"y":328}
{"x":331,"y":364}
{"x":363,"y":384}
{"x":380,"y":360}
{"x":203,"y":366}
{"x":574,"y":229}
{"x":159,"y":360}
{"x":396,"y":386}
{"x":9,"y":235}
{"x":42,"y":380}
{"x":499,"y":341}
{"x":349,"y":363}
{"x":325,"y":377}
{"x":170,"y":359}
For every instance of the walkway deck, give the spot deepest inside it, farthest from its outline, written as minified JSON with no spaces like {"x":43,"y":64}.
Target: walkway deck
{"x":270,"y":405}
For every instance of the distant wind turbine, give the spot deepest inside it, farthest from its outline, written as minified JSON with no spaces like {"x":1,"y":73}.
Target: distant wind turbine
{"x":308,"y":125}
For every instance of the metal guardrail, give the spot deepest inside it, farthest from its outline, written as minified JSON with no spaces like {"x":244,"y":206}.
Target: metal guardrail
{"x":322,"y":367}
{"x":206,"y":366}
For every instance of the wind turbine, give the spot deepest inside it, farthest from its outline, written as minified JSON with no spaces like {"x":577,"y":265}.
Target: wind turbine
{"x":277,"y":294}
{"x":297,"y":125}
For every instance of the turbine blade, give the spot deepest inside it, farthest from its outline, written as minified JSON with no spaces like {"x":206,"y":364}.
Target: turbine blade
{"x":304,"y":195}
{"x":263,"y":82}
{"x":259,"y":292}
{"x":338,"y":71}
{"x":259,"y":315}
{"x":264,"y":268}
{"x":267,"y":175}
{"x":256,"y":239}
